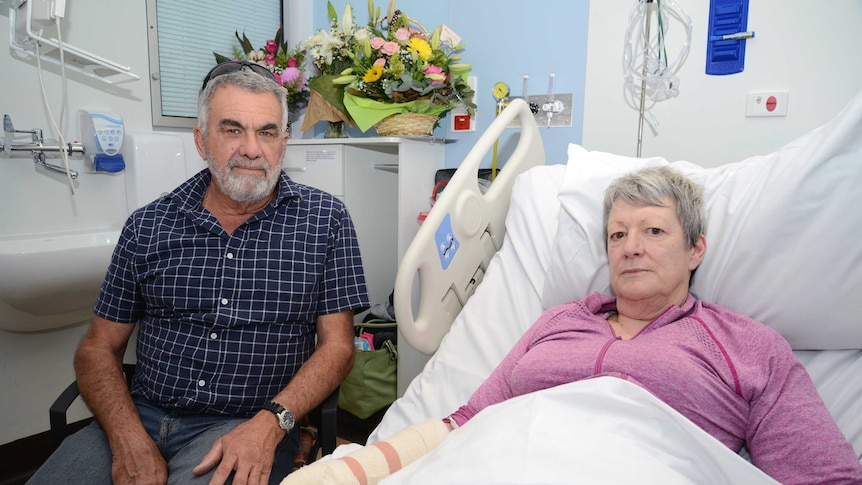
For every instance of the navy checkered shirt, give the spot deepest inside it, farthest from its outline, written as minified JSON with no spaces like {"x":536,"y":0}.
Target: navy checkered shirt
{"x":227,"y":320}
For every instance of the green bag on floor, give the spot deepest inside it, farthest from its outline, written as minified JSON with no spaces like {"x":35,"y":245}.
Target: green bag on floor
{"x":372,"y":383}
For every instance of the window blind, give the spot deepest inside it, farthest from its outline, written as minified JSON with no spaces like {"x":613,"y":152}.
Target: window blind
{"x":186,"y":33}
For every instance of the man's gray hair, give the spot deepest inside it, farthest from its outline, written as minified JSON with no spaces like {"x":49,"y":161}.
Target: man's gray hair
{"x":650,"y":187}
{"x":244,"y":79}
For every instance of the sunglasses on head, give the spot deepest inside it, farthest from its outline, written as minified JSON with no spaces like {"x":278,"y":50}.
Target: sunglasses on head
{"x":233,"y":66}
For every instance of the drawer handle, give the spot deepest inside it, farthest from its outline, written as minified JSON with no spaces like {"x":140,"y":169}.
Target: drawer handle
{"x":295,"y":169}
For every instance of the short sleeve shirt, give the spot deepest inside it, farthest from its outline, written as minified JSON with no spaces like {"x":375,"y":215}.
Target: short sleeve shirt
{"x":226,"y":320}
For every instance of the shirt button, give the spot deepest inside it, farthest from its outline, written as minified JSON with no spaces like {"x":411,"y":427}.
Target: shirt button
{"x":224,"y":301}
{"x":213,"y":335}
{"x":229,"y":255}
{"x":202,"y":383}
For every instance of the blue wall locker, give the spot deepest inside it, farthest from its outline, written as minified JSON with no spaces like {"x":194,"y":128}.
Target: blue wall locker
{"x":725,"y":47}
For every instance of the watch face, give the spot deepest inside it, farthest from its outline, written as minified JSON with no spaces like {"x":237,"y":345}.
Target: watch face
{"x":286,"y":420}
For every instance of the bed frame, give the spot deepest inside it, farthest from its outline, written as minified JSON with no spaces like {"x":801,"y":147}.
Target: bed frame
{"x":449,"y":274}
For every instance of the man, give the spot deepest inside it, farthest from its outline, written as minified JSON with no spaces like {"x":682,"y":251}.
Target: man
{"x":243,"y":285}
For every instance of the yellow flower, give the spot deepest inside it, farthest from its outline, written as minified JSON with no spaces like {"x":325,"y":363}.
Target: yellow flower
{"x":374,"y":73}
{"x":420,"y":46}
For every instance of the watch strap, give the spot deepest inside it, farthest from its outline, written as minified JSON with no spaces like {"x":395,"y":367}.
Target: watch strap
{"x":274,"y":407}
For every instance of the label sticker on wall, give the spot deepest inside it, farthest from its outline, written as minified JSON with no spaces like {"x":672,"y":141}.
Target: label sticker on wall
{"x":318,"y":155}
{"x":447,"y":245}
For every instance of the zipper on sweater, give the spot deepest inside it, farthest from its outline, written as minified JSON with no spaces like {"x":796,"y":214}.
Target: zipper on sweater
{"x":601,"y":358}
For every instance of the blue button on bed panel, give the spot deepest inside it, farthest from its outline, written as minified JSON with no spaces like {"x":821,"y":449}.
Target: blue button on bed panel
{"x":724,"y":53}
{"x":447,"y":245}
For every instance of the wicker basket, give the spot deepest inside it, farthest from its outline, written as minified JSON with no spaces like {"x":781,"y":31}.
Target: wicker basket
{"x":406,"y":124}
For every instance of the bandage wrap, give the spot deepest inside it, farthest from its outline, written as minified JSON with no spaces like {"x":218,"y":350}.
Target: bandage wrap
{"x":372,"y":463}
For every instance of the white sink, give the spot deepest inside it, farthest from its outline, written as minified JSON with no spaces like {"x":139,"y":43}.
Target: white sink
{"x":52,"y":280}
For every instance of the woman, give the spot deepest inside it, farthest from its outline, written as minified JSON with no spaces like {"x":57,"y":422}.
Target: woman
{"x":732,"y":376}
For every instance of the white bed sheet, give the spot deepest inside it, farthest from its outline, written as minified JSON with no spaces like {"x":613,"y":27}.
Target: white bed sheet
{"x":617,"y":433}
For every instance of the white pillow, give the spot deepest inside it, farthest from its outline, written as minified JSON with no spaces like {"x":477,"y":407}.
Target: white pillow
{"x":784,"y":236}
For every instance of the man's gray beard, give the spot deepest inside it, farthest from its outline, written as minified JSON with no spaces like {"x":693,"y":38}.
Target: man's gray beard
{"x":244,"y":189}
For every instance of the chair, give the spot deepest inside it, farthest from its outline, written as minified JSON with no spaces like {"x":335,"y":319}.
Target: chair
{"x":323,"y":417}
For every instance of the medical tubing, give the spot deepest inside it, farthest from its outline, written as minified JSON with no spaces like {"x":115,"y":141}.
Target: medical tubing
{"x":64,"y":156}
{"x":656,"y":75}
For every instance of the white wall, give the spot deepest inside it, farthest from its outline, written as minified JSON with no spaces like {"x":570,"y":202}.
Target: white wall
{"x":35,"y":367}
{"x":802,"y":47}
{"x":807,"y":48}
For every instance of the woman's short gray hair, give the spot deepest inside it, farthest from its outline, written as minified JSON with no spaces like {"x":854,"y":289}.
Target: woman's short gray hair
{"x":650,"y":186}
{"x":246,"y":80}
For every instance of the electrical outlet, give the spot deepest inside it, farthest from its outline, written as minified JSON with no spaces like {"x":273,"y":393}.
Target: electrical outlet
{"x":767,"y":103}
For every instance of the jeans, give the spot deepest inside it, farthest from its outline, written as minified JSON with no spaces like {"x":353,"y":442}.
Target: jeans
{"x":183,"y":440}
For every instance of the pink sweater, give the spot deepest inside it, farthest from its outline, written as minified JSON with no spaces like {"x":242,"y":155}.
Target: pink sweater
{"x":732,"y":376}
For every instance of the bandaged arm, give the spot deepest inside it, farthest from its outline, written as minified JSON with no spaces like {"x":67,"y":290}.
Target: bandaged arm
{"x":374,"y":462}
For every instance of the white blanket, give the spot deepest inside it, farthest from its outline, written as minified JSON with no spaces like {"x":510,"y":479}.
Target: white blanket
{"x":602,"y":430}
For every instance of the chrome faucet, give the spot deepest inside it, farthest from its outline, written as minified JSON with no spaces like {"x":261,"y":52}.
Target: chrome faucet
{"x":36,"y":147}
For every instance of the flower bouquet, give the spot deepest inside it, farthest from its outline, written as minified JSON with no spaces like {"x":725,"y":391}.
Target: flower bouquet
{"x":286,"y":64}
{"x":329,"y":52}
{"x":397,"y":69}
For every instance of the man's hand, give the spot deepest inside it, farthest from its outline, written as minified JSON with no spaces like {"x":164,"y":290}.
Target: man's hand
{"x":248,"y":451}
{"x":139,"y":462}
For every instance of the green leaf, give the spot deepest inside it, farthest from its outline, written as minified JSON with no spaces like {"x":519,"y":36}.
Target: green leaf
{"x":333,"y":16}
{"x":245,"y":43}
{"x":220,"y":58}
{"x":279,"y":36}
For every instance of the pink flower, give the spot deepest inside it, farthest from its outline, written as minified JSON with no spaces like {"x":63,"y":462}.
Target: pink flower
{"x":271,"y":47}
{"x":292,"y":62}
{"x":293,"y":77}
{"x":431,"y":69}
{"x":377,"y":42}
{"x":269,"y":60}
{"x":389,"y":48}
{"x":380,"y":62}
{"x":402,"y":34}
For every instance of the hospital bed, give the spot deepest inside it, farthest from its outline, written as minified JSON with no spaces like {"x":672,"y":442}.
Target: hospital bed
{"x":783,"y":247}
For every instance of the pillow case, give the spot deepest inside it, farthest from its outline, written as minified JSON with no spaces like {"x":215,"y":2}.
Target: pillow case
{"x":784,"y":235}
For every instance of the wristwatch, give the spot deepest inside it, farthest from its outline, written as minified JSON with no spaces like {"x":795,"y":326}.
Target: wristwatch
{"x":286,"y":419}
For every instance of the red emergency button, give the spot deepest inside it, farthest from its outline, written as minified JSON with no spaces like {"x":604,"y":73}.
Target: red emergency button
{"x":771,"y":103}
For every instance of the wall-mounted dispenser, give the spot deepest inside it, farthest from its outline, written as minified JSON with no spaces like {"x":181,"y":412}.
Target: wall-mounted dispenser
{"x":102,"y":136}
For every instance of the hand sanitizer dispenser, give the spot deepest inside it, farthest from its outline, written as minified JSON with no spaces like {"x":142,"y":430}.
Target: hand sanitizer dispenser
{"x":102,"y":137}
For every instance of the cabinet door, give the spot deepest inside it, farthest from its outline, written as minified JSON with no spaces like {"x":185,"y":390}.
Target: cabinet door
{"x":319,"y":166}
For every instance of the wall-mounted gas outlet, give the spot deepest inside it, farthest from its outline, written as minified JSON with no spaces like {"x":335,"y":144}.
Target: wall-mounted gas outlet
{"x":767,"y":103}
{"x":560,"y":109}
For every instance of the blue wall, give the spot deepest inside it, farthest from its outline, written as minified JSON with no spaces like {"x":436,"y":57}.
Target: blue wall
{"x":504,"y":40}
